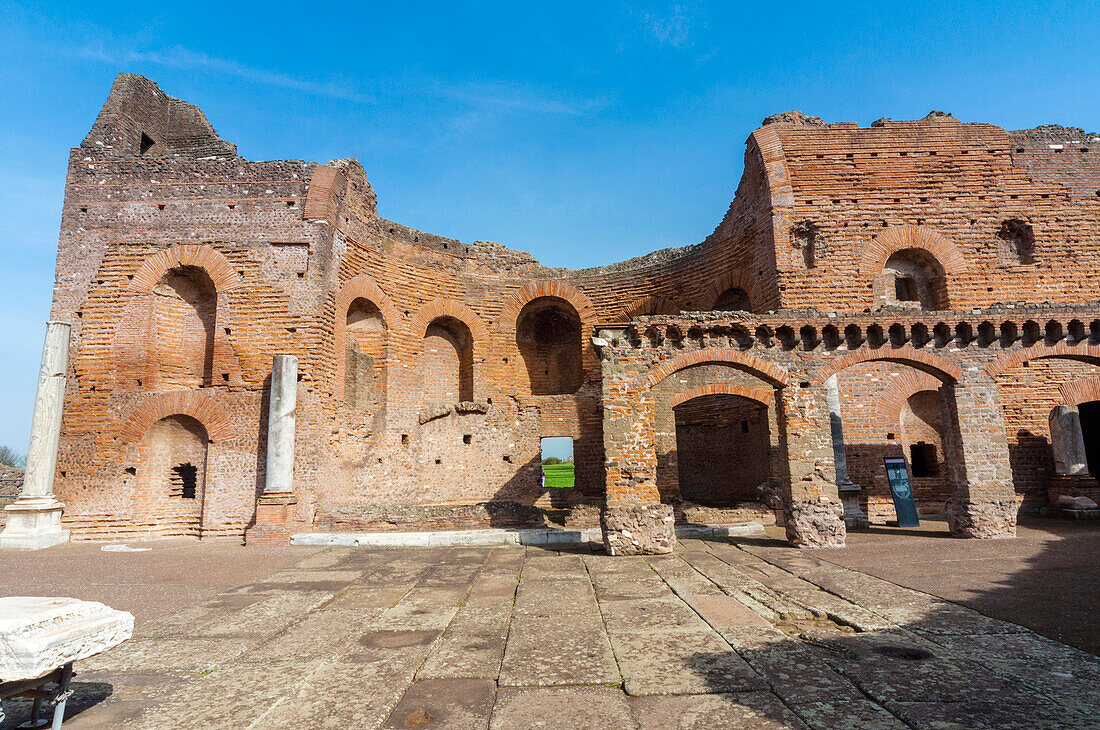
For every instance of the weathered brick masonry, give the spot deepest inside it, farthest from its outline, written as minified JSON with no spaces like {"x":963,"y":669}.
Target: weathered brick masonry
{"x":945,"y":273}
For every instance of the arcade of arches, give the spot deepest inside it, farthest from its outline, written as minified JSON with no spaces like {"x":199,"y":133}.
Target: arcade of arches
{"x":895,"y":290}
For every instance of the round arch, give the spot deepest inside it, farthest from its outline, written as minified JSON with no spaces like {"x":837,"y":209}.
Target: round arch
{"x":935,"y":365}
{"x":762,"y":395}
{"x":449,"y":308}
{"x":1080,"y":351}
{"x":733,"y":279}
{"x":720,"y":355}
{"x":216,"y":266}
{"x":652,"y":304}
{"x":515,"y":302}
{"x":213,"y":417}
{"x":899,"y":238}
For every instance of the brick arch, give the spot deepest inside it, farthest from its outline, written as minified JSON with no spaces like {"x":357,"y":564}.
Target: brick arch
{"x":721,"y":356}
{"x":204,"y":257}
{"x":761,"y":394}
{"x":653,"y":304}
{"x":514,"y":304}
{"x":897,"y":238}
{"x":204,"y":409}
{"x":1080,"y":391}
{"x":901,"y":388}
{"x":449,"y":308}
{"x":360,"y":287}
{"x":1080,"y":351}
{"x":939,"y":367}
{"x":364,"y":287}
{"x":735,"y":278}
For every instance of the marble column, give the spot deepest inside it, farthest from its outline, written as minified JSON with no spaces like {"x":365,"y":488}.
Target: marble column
{"x":854,"y":517}
{"x":276,"y":509}
{"x":280,"y":425}
{"x":34,"y":519}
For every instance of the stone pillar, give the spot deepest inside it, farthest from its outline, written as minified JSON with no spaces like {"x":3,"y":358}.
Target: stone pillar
{"x":1067,"y":441}
{"x":983,"y":503}
{"x":854,"y":517}
{"x":34,"y":519}
{"x":814,"y":514}
{"x":633,"y":520}
{"x":277,"y":506}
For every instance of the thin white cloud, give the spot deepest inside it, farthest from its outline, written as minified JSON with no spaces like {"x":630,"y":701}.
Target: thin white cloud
{"x":670,"y":29}
{"x":184,"y":58}
{"x":505,"y":95}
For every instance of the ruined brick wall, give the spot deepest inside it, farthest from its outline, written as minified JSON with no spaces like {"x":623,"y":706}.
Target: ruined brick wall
{"x":430,"y":368}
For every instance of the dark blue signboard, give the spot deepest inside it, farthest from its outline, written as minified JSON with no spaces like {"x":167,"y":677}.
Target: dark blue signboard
{"x":902,"y":493}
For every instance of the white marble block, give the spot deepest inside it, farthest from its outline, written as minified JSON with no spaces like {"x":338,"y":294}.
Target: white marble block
{"x":38,"y":635}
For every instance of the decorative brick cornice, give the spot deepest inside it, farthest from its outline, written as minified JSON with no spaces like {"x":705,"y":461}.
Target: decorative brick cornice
{"x":515,"y":303}
{"x":759,"y":394}
{"x":935,"y":365}
{"x":719,"y":355}
{"x":203,"y":408}
{"x":204,"y":257}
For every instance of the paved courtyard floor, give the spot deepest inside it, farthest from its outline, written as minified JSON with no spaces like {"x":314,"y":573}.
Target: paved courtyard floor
{"x":721,"y":634}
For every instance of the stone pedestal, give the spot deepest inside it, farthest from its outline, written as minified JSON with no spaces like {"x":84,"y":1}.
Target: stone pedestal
{"x":815,"y":522}
{"x":854,"y":516}
{"x":981,"y":520}
{"x":638,"y":529}
{"x":276,"y":520}
{"x":33,"y":523}
{"x":34,"y":519}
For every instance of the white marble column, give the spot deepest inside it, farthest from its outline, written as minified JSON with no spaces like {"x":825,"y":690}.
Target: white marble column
{"x":34,"y":519}
{"x":280,"y":425}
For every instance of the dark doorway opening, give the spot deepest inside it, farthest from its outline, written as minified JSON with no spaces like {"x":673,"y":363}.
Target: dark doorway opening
{"x":721,"y":449}
{"x":1090,"y":429}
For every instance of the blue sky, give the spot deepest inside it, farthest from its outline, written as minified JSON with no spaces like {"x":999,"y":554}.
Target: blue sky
{"x":584,"y":133}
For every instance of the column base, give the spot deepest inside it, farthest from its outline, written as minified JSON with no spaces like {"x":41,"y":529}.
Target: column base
{"x":638,"y":529}
{"x":854,"y":517}
{"x":276,"y":520}
{"x":815,"y":522}
{"x":982,"y":520}
{"x":34,"y":523}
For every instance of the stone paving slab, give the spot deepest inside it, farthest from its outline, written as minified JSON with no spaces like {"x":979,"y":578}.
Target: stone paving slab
{"x":704,"y":712}
{"x":681,"y":662}
{"x":576,"y":708}
{"x":527,"y":637}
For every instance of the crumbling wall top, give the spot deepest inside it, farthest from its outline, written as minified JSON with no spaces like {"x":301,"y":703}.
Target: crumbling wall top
{"x":141,"y":120}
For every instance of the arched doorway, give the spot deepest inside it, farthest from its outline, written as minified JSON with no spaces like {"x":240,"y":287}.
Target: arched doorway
{"x":1090,"y":432}
{"x":722,"y":445}
{"x":171,"y":476}
{"x":548,"y":335}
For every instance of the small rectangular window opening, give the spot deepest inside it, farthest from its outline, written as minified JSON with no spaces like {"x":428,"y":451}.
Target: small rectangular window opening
{"x":905,"y":288}
{"x":184,"y":480}
{"x":557,"y":462}
{"x":922,"y":459}
{"x":467,"y":439}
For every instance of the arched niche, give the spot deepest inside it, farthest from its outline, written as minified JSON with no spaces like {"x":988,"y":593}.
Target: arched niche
{"x":364,"y":354}
{"x":914,"y":278}
{"x":184,"y":320}
{"x":447,"y":361}
{"x":548,"y":335}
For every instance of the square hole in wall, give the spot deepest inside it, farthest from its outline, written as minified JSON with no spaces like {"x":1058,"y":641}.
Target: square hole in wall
{"x":467,"y":439}
{"x":557,"y":462}
{"x":404,"y":439}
